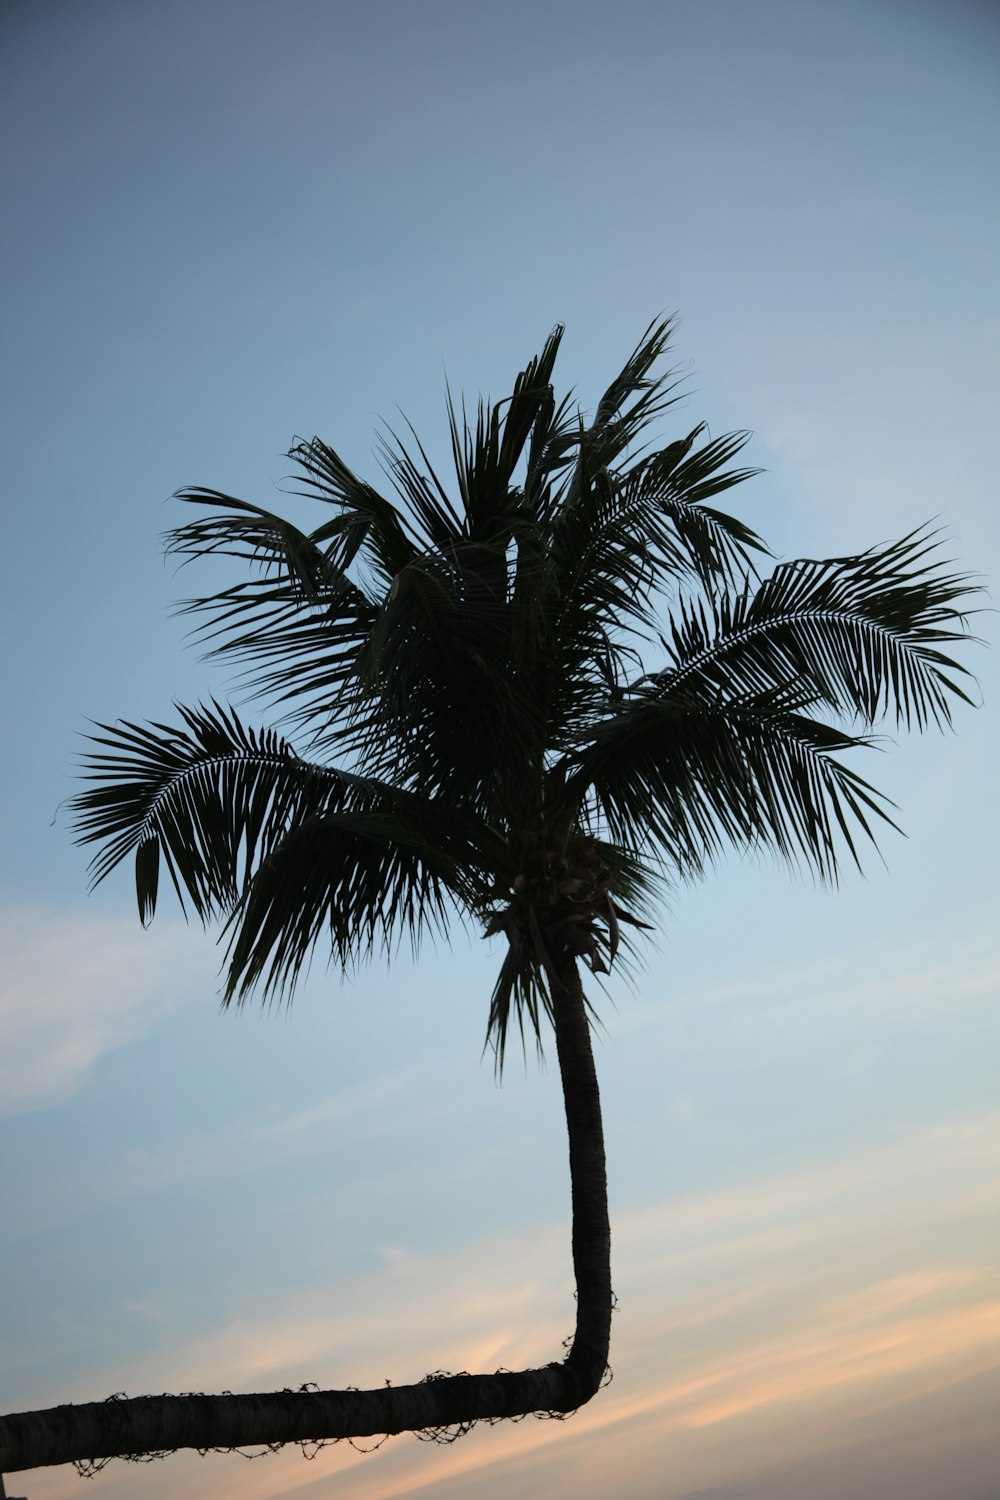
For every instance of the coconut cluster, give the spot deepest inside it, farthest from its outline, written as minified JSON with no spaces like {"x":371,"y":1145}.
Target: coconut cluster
{"x":561,"y":904}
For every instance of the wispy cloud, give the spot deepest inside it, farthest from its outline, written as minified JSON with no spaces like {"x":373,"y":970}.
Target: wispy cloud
{"x":772,"y":1317}
{"x":73,"y":987}
{"x":876,"y":981}
{"x":830,"y":447}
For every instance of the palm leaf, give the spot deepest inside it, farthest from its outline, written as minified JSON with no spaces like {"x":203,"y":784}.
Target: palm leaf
{"x":355,"y":879}
{"x":864,"y":633}
{"x":690,"y":778}
{"x":634,"y":399}
{"x":269,"y":543}
{"x":212,"y":800}
{"x":375,"y":527}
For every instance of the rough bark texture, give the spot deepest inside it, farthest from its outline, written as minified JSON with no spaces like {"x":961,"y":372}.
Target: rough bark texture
{"x":154,"y":1424}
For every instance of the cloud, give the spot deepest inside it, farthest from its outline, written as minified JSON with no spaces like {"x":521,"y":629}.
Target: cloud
{"x":925,"y":984}
{"x":828,"y":448}
{"x":875,"y":981}
{"x":714,"y":1494}
{"x":74,"y":987}
{"x":776,"y":1318}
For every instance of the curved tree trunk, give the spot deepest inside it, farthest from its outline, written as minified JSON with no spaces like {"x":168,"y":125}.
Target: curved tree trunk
{"x":154,"y":1424}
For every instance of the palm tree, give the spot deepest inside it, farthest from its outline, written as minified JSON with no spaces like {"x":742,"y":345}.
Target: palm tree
{"x":501,"y":721}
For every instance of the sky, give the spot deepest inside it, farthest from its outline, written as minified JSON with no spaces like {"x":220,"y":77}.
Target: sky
{"x":232,"y":222}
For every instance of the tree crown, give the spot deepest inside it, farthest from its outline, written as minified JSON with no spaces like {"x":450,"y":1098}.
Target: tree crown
{"x":533,"y":697}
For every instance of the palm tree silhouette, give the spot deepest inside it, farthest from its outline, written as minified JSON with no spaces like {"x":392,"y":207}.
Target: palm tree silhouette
{"x":533,"y":701}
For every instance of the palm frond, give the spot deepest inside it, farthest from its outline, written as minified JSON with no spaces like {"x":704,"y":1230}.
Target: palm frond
{"x":269,"y":543}
{"x":613,"y":550}
{"x":485,"y":459}
{"x":451,"y":716}
{"x":368,"y":522}
{"x":423,"y":494}
{"x":690,"y":778}
{"x":716,"y":546}
{"x":634,"y":399}
{"x":521,"y":994}
{"x":212,"y":800}
{"x":297,"y":622}
{"x":863,"y":634}
{"x":356,"y":879}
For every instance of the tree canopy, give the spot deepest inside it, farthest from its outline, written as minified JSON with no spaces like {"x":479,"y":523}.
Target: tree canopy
{"x":572,"y":642}
{"x":535,"y":697}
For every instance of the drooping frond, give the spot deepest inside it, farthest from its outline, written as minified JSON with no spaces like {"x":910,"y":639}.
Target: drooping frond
{"x":672,"y":488}
{"x":212,"y":800}
{"x":365,"y":522}
{"x":862,"y":636}
{"x":593,"y":903}
{"x":356,"y":880}
{"x":271,"y":545}
{"x":280,"y":847}
{"x":686,"y":778}
{"x":620,"y":545}
{"x":297,"y":622}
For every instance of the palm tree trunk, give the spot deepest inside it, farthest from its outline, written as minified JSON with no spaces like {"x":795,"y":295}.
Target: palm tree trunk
{"x":155,"y":1424}
{"x":588,"y":1357}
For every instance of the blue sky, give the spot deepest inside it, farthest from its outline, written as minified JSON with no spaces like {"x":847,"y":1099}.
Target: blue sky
{"x":233,"y":223}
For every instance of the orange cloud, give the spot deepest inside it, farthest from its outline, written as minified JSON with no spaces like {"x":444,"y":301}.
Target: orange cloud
{"x":790,"y":1306}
